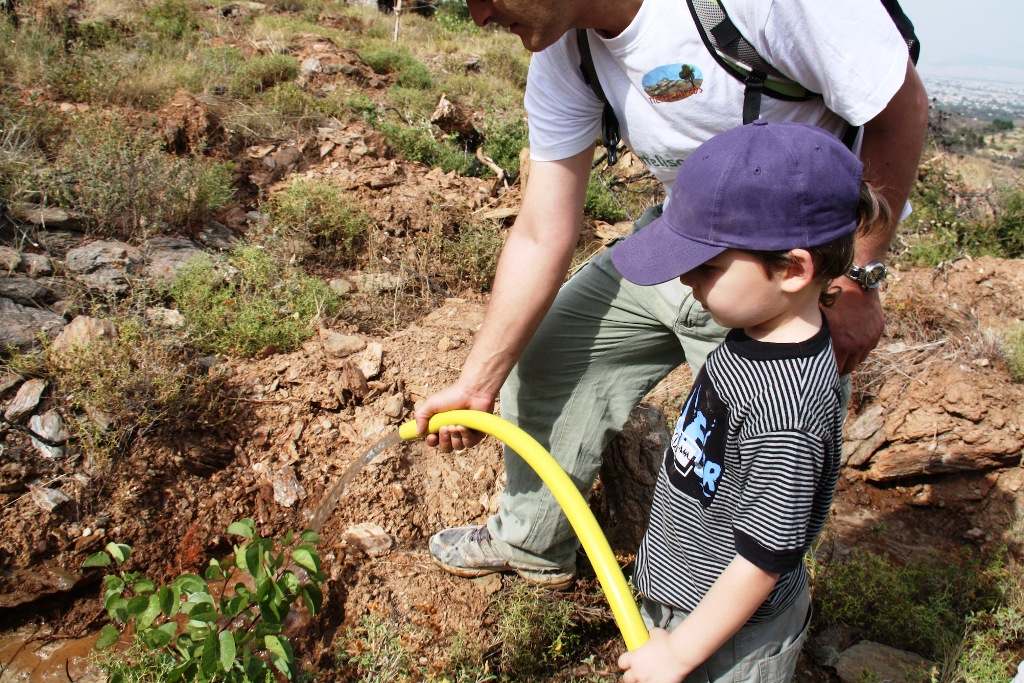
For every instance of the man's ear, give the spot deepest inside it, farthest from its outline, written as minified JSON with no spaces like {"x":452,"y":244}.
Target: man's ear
{"x":799,"y":272}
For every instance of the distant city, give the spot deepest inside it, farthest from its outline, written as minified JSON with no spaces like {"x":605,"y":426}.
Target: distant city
{"x":984,"y":100}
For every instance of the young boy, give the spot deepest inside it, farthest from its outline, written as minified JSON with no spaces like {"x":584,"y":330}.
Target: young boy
{"x":761,"y":220}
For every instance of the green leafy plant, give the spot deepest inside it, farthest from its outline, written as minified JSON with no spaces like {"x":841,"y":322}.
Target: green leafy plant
{"x":250,"y":304}
{"x":174,"y":19}
{"x":227,"y":625}
{"x":419,"y":144}
{"x":466,"y":662}
{"x":504,"y":142}
{"x":409,"y":72}
{"x":453,"y":16}
{"x":263,"y":72}
{"x":1009,"y":223}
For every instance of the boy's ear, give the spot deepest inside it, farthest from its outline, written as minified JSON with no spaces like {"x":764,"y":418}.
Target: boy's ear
{"x":799,"y":272}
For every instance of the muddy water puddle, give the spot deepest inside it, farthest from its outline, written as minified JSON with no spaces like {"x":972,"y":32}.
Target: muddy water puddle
{"x":34,"y":655}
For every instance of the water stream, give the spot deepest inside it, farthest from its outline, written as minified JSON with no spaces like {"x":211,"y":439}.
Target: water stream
{"x":330,"y":501}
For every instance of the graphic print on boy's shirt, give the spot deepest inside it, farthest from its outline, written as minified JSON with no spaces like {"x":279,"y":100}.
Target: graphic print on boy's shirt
{"x":695,"y":457}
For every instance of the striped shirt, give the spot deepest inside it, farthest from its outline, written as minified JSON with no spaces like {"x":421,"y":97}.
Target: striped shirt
{"x":751,"y":470}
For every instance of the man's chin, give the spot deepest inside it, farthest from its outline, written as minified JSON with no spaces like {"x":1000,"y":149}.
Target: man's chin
{"x":531,"y":41}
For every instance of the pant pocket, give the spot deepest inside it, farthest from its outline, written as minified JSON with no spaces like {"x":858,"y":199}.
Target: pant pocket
{"x":779,"y":668}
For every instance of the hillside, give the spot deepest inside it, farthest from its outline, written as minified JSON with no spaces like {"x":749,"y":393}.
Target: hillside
{"x":353,"y":161}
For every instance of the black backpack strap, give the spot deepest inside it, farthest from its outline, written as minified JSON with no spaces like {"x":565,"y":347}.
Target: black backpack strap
{"x":609,"y":122}
{"x":906,"y":29}
{"x":905,"y":26}
{"x":737,"y":56}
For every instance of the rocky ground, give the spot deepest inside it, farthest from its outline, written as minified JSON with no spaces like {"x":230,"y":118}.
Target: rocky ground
{"x":932,"y":458}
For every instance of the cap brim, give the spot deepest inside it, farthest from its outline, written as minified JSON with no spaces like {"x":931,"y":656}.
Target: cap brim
{"x":657,"y":254}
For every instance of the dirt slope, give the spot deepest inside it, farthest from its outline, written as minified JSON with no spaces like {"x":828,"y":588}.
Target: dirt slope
{"x":934,"y":436}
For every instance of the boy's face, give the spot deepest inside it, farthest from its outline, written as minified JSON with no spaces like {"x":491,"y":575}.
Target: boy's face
{"x":737,"y":291}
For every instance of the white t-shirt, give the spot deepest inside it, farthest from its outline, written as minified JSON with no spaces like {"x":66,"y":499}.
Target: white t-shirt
{"x":670,"y":94}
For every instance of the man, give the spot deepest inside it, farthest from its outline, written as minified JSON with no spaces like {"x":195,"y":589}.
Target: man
{"x":577,"y":364}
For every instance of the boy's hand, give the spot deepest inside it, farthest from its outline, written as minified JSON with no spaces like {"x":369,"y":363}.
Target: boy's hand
{"x":656,"y":661}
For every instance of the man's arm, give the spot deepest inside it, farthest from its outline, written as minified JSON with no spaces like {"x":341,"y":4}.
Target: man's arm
{"x":531,"y":268}
{"x":891,"y":151}
{"x":732,"y":600}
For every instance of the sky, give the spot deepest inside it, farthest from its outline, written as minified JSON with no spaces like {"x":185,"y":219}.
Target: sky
{"x":980,"y":39}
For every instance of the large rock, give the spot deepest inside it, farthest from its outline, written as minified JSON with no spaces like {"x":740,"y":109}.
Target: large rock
{"x":22,"y":326}
{"x":949,"y":418}
{"x":104,"y":265}
{"x":82,"y":331}
{"x":26,"y":291}
{"x":168,"y":255}
{"x":26,"y":400}
{"x":876,"y":662}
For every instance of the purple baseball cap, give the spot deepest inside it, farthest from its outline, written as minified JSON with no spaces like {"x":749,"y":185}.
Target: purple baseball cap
{"x":760,"y":187}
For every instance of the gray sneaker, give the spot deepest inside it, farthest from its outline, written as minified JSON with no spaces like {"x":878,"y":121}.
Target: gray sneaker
{"x":468,"y":551}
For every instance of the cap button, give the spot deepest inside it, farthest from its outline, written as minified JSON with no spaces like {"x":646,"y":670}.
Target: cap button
{"x":760,"y":122}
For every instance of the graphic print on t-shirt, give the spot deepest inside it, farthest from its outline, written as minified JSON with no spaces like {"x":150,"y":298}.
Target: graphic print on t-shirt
{"x":673,"y":82}
{"x":696,"y":455}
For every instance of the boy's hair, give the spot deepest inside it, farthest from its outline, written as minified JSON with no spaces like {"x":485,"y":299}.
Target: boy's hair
{"x":834,"y":259}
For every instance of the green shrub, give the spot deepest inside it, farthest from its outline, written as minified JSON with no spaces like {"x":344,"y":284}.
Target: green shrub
{"x":1014,"y":350}
{"x":932,"y":233}
{"x":119,"y":179}
{"x":1009,"y":223}
{"x":920,"y":605}
{"x":92,"y":35}
{"x":143,"y":381}
{"x":263,"y":72}
{"x":173,"y":19}
{"x":600,"y":204}
{"x":373,"y":652}
{"x":251,"y":304}
{"x":466,"y":661}
{"x":508,"y":65}
{"x":505,"y":141}
{"x":419,"y":144}
{"x":536,"y":631}
{"x":473,"y":255}
{"x":236,"y":637}
{"x":453,"y":16}
{"x":291,"y":101}
{"x":315,"y":217}
{"x":409,"y":72}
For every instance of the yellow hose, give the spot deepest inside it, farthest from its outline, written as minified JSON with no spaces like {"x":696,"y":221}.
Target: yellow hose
{"x":613,"y":583}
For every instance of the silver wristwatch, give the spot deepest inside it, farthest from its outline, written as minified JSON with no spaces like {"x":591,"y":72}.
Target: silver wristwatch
{"x":869,"y":276}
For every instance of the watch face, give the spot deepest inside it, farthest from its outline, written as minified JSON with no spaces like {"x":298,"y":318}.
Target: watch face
{"x":874,"y":274}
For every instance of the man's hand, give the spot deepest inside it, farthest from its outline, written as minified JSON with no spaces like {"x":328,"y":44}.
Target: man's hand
{"x":452,"y":437}
{"x":856,"y":321}
{"x":653,"y":662}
